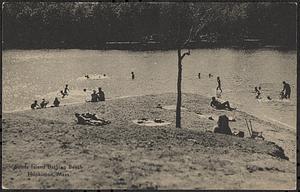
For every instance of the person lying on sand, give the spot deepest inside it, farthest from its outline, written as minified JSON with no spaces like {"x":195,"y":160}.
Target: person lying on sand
{"x":35,"y":105}
{"x":159,"y":106}
{"x":44,"y":103}
{"x":218,"y":105}
{"x":90,"y":119}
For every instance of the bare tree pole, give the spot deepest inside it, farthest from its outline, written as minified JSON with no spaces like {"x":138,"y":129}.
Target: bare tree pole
{"x":193,"y":33}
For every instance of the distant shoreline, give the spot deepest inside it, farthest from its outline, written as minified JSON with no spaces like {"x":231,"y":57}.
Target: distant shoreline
{"x":140,"y":46}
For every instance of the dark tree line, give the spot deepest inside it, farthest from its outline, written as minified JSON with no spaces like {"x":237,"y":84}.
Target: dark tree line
{"x":91,"y":25}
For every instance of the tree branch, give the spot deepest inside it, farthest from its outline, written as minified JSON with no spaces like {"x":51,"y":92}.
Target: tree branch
{"x":184,"y":54}
{"x":189,"y":38}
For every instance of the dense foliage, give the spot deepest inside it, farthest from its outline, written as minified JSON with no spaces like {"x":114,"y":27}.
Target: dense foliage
{"x":91,"y":25}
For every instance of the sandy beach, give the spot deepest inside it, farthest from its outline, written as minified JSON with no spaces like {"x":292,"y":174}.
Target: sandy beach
{"x":124,"y":155}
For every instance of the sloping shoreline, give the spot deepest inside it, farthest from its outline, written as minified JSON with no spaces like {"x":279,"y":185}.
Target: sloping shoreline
{"x":125,"y":155}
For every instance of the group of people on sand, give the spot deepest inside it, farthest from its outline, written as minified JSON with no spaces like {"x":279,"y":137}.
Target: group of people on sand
{"x":44,"y":104}
{"x":95,"y":96}
{"x":56,"y":102}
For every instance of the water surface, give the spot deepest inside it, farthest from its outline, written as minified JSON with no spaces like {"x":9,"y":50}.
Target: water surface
{"x":37,"y":74}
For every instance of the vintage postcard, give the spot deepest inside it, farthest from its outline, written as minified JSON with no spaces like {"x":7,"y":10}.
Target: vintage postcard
{"x":149,"y":95}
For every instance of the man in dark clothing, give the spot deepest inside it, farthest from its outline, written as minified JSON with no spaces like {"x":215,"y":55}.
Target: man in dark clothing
{"x":95,"y":97}
{"x":286,"y":90}
{"x":101,"y":95}
{"x":56,"y":102}
{"x":218,"y":105}
{"x":223,"y":126}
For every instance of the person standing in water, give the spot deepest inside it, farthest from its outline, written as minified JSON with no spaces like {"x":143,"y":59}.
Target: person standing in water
{"x":258,"y":93}
{"x":286,"y":91}
{"x":219,"y":84}
{"x":132,"y":75}
{"x":199,"y":75}
{"x":67,"y":90}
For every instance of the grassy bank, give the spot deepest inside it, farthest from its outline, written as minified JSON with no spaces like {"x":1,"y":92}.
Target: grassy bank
{"x":126,"y":155}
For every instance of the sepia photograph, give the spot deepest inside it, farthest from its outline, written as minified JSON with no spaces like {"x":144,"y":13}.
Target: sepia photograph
{"x":149,"y":95}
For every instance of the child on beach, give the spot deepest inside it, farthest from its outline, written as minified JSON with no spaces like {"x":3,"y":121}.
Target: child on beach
{"x":35,"y":105}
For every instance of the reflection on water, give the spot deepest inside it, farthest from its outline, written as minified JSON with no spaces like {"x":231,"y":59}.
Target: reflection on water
{"x":30,"y":75}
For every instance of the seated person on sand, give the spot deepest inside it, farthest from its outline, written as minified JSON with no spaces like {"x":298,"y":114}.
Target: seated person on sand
{"x":56,"y":102}
{"x":88,"y":95}
{"x":94,"y":96}
{"x":101,"y":95}
{"x":218,"y":105}
{"x":223,"y":126}
{"x":35,"y":105}
{"x":44,"y":103}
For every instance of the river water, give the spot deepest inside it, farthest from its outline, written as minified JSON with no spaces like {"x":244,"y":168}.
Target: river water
{"x":35,"y":74}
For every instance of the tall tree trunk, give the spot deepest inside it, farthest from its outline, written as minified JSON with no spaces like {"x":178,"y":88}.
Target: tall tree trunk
{"x":178,"y":106}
